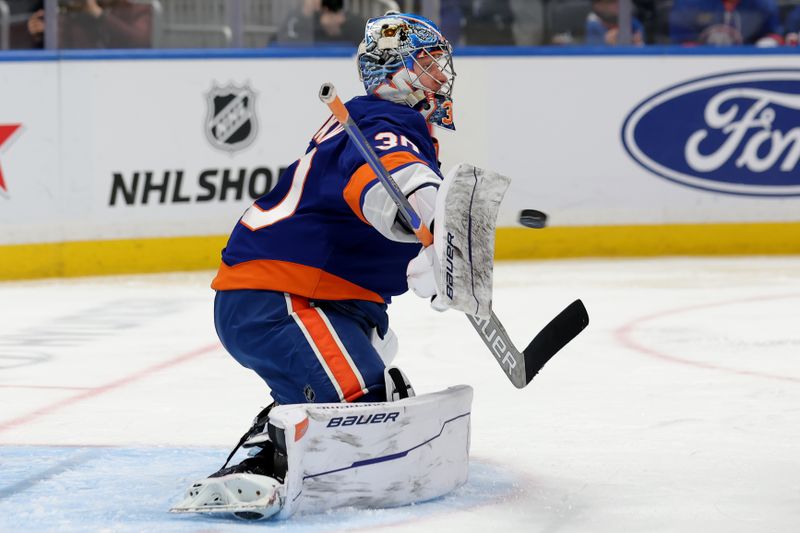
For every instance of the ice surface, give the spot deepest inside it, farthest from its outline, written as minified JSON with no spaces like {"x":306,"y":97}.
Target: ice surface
{"x":104,"y":488}
{"x":678,"y":409}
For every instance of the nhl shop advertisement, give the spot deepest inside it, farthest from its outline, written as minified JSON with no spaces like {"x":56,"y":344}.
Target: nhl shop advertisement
{"x":105,"y":159}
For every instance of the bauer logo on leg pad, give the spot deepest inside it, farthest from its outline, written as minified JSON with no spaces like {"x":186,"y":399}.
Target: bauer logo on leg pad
{"x":378,"y":418}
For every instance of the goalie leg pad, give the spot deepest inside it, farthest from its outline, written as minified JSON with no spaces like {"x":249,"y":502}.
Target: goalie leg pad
{"x":374,"y":455}
{"x":466,"y":214}
{"x":387,"y":347}
{"x":370,"y":455}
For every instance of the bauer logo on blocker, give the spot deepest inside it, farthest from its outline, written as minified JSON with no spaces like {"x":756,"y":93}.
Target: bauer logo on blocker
{"x":231,"y":123}
{"x":735,"y":133}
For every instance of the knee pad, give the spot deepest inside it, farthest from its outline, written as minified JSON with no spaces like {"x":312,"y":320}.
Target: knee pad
{"x":386,"y":347}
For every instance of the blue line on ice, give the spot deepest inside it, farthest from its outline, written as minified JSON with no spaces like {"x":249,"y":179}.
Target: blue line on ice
{"x":73,"y":461}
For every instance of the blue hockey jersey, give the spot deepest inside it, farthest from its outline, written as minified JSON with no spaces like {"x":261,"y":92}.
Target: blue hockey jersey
{"x":309,"y":236}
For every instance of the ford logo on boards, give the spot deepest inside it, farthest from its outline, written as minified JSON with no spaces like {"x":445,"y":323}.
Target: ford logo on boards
{"x":736,"y":133}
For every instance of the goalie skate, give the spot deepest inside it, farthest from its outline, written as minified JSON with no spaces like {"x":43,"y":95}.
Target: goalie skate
{"x":246,"y":496}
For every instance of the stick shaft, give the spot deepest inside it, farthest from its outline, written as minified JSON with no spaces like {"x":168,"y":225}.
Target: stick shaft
{"x":327,"y":94}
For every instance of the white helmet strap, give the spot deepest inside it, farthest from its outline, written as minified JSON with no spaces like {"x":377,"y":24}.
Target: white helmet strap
{"x":401,"y":90}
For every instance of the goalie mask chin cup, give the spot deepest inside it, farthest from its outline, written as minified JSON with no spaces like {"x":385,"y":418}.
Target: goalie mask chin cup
{"x":406,"y":59}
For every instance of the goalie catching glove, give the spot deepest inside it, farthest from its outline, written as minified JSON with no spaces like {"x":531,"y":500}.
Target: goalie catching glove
{"x":422,"y":277}
{"x":456,"y":270}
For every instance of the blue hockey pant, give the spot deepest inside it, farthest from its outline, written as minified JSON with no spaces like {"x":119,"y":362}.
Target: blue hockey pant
{"x":303,"y":353}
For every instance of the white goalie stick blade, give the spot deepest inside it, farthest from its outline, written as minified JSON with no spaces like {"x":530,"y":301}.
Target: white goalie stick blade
{"x":245,"y":496}
{"x":521,"y":367}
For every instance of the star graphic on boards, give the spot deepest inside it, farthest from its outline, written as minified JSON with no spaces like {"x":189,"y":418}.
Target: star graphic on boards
{"x":6,"y":131}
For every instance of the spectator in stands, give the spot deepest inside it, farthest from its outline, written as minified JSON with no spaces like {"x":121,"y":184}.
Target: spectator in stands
{"x":647,"y":13}
{"x":487,"y":22}
{"x":492,"y":22}
{"x":96,"y":24}
{"x":20,"y":11}
{"x":322,"y":21}
{"x":450,"y":19}
{"x":792,"y":27}
{"x":528,"y":24}
{"x":725,"y":22}
{"x":602,"y":25}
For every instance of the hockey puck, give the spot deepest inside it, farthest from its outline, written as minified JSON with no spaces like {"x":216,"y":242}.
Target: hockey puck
{"x":531,"y":218}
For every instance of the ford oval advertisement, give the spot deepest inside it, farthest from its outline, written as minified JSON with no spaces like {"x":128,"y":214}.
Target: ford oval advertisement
{"x":735,"y":133}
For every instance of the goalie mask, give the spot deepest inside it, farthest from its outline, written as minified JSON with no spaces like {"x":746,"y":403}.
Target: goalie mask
{"x":406,"y":59}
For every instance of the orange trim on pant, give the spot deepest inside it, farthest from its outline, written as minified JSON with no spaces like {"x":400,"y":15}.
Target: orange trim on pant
{"x":364,"y":175}
{"x":323,"y":339}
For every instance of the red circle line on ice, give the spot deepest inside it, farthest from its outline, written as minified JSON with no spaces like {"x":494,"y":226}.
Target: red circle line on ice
{"x":92,"y":392}
{"x":624,"y":335}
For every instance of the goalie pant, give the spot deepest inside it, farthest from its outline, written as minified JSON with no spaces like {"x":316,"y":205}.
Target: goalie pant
{"x":306,"y":350}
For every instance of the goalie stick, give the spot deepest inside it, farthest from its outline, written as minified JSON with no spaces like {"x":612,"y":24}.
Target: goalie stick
{"x":519,"y":367}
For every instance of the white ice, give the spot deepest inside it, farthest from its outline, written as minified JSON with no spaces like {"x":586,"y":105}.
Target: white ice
{"x":678,"y":409}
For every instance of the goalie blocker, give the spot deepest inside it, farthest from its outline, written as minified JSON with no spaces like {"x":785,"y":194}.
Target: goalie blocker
{"x":373,"y":455}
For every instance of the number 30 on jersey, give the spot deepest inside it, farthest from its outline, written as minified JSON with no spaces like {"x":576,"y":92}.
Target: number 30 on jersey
{"x":390,"y":140}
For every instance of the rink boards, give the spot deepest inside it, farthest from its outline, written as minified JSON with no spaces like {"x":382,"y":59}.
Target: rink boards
{"x":143,"y":161}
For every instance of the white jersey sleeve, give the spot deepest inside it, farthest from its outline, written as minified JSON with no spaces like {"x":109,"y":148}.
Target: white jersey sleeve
{"x":419,"y":183}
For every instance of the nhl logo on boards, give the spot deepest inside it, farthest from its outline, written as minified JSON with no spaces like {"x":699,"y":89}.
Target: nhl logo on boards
{"x":231,"y":123}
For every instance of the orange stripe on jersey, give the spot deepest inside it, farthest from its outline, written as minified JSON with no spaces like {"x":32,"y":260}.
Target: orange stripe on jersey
{"x":333,"y":359}
{"x":294,"y":278}
{"x":364,"y":175}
